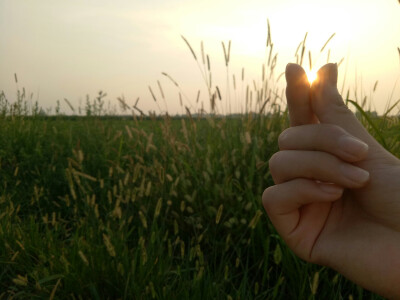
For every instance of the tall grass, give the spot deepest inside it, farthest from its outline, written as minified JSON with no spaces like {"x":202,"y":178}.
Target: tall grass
{"x":154,"y":207}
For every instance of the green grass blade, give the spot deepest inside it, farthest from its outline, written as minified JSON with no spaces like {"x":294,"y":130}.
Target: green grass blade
{"x":370,"y":122}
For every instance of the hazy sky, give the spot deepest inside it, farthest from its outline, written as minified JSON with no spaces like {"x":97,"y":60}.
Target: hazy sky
{"x":67,"y":49}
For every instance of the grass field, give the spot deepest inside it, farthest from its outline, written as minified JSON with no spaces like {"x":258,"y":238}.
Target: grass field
{"x":160,"y":208}
{"x":151,"y":207}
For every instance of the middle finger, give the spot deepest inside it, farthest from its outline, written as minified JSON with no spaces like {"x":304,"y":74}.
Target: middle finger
{"x":290,"y":164}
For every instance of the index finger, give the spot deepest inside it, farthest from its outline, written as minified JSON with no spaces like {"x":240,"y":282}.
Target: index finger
{"x":298,"y":96}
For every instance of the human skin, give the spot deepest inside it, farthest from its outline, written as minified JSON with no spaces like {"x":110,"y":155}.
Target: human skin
{"x":336,"y":198}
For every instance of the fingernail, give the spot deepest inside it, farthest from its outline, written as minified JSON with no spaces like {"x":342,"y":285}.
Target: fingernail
{"x":354,"y":174}
{"x":352,"y":146}
{"x":288,"y":74}
{"x":294,"y":74}
{"x":333,"y":74}
{"x":330,"y":188}
{"x":288,"y":65}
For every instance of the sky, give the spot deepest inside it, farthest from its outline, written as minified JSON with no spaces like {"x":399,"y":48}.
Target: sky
{"x":70,"y":49}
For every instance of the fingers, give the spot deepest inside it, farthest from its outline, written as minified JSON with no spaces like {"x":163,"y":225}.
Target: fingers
{"x":289,"y":164}
{"x":298,"y":209}
{"x":324,"y":137}
{"x":298,"y":96}
{"x":329,"y":107}
{"x":284,"y":200}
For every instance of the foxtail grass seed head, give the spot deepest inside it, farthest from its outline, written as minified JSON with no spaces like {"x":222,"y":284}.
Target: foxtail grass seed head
{"x":143,"y":219}
{"x":200,"y":273}
{"x":190,"y":47}
{"x":255,"y":219}
{"x":229,"y":50}
{"x":21,"y":280}
{"x":248,"y":137}
{"x":148,"y":189}
{"x":219,"y":93}
{"x":398,"y":49}
{"x":109,"y":246}
{"x":143,"y":255}
{"x":182,"y":249}
{"x":15,"y":255}
{"x":126,"y":179}
{"x":161,"y":90}
{"x":269,"y":39}
{"x":271,"y":49}
{"x":202,"y":52}
{"x":69,"y":104}
{"x":170,"y":78}
{"x":263,"y":72}
{"x":326,"y":43}
{"x":183,"y":205}
{"x":277,"y":255}
{"x":158,"y":208}
{"x":198,"y":97}
{"x":314,"y":284}
{"x":273,"y":65}
{"x":226,"y":52}
{"x":117,"y":212}
{"x":152,"y":94}
{"x":83,"y":258}
{"x":237,"y":262}
{"x":375,"y":86}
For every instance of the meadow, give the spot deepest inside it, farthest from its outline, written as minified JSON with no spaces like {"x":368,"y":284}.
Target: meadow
{"x":152,"y":206}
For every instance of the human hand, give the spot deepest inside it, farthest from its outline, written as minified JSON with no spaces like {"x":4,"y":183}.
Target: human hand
{"x":336,"y":201}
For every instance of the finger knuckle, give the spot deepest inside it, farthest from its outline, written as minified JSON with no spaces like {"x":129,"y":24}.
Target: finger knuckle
{"x":331,"y":131}
{"x":342,"y":109}
{"x":267,"y":199}
{"x":283,"y":138}
{"x":275,"y":162}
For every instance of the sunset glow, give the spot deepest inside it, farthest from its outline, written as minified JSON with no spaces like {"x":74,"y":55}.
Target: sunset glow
{"x":311,"y":75}
{"x":66,"y":49}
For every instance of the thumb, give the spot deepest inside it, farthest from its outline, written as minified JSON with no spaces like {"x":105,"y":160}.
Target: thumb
{"x":298,"y":96}
{"x":329,"y":107}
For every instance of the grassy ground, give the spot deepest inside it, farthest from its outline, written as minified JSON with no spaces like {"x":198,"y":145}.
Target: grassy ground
{"x":150,"y":209}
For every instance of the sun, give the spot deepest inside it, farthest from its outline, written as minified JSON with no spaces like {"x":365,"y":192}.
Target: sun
{"x":311,"y":76}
